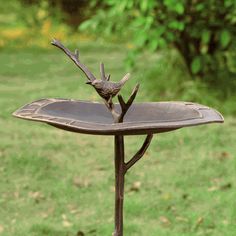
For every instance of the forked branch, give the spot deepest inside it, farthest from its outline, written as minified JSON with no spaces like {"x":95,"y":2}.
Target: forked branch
{"x":103,"y":75}
{"x":75,"y":58}
{"x":118,"y":117}
{"x":126,"y":105}
{"x":111,"y":107}
{"x":140,"y":153}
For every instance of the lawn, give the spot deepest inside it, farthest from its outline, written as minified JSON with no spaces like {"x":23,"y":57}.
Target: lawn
{"x":57,"y":183}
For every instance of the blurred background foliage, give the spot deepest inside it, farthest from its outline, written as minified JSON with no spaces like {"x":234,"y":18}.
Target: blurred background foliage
{"x":194,"y":41}
{"x":52,"y":182}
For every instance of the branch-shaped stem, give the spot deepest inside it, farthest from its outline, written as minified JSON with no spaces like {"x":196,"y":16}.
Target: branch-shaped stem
{"x":103,"y":75}
{"x":140,"y":153}
{"x":118,"y":118}
{"x":111,"y":107}
{"x":102,"y":71}
{"x":75,"y":58}
{"x":126,"y":105}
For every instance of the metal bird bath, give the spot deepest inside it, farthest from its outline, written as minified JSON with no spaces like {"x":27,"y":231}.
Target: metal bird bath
{"x":124,"y":118}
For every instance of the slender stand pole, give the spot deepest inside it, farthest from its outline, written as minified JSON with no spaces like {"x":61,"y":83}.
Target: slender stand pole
{"x":120,"y":170}
{"x":119,"y":184}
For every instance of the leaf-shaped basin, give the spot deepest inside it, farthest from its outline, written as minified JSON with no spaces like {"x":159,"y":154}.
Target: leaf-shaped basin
{"x":94,"y":118}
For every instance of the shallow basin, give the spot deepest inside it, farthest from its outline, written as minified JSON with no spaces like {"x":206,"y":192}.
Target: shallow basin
{"x":95,"y":118}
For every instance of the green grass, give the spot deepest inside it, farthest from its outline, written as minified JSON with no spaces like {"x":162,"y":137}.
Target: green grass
{"x":57,"y":183}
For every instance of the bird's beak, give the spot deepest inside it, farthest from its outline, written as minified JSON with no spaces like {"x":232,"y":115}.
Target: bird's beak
{"x":89,"y":82}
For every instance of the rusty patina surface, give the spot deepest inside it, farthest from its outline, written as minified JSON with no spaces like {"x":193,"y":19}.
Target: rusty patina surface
{"x":95,"y":118}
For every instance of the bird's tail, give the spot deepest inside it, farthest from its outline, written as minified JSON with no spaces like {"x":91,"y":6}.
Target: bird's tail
{"x":125,"y":78}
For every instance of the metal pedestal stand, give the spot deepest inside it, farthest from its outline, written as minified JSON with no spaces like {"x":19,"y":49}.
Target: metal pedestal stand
{"x":116,"y":119}
{"x":120,"y":170}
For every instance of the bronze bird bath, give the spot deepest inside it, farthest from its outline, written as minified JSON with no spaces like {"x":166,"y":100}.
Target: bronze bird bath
{"x":125,"y":118}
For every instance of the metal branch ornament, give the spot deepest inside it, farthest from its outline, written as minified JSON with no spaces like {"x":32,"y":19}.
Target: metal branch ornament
{"x":75,"y":58}
{"x":104,"y":87}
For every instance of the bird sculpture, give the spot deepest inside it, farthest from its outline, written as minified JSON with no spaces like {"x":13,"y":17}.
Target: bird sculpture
{"x":107,"y":89}
{"x":104,"y":87}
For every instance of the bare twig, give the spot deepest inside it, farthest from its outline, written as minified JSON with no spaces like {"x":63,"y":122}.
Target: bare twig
{"x":108,"y":77}
{"x":75,"y":58}
{"x":103,"y":75}
{"x":102,"y":71}
{"x":126,"y":105}
{"x":140,"y":153}
{"x":111,"y":107}
{"x":118,"y":118}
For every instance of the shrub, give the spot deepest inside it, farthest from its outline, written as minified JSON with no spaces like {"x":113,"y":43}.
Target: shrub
{"x":203,"y":32}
